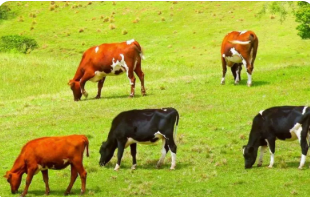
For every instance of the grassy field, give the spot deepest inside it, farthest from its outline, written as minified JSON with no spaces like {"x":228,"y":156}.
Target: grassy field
{"x":182,"y":69}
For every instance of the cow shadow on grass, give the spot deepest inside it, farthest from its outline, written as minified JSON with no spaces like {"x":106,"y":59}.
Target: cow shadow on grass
{"x":283,"y":165}
{"x":150,"y":165}
{"x":254,"y":83}
{"x":115,"y":97}
{"x":60,"y":192}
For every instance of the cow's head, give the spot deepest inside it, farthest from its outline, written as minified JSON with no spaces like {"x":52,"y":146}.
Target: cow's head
{"x":76,"y":89}
{"x":106,"y":151}
{"x":249,"y":154}
{"x":14,"y":179}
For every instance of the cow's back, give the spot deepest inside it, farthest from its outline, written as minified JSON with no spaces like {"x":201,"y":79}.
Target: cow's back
{"x":54,"y":146}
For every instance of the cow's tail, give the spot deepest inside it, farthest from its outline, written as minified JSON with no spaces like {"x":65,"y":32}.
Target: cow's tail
{"x":86,"y":143}
{"x":176,"y":125}
{"x":139,"y":49}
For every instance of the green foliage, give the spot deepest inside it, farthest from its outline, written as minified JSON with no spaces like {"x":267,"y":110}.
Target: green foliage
{"x":17,"y":43}
{"x":276,"y":7}
{"x":303,"y":17}
{"x":4,"y":12}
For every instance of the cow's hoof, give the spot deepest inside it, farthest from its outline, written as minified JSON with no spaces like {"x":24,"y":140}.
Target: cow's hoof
{"x":130,"y":96}
{"x":270,"y":167}
{"x":249,"y":84}
{"x":133,"y":167}
{"x":85,"y":94}
{"x":236,"y":82}
{"x":223,"y":83}
{"x":172,"y":168}
{"x":97,"y":97}
{"x":259,"y":165}
{"x":300,"y":168}
{"x":66,"y":193}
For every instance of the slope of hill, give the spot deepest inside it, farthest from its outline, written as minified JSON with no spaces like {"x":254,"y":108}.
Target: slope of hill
{"x":181,"y":42}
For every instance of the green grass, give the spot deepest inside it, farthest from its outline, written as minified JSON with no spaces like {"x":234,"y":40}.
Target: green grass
{"x":182,"y":70}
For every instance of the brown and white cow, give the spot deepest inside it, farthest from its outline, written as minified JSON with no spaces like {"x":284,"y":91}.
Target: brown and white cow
{"x":239,"y":48}
{"x":49,"y":153}
{"x":108,"y":60}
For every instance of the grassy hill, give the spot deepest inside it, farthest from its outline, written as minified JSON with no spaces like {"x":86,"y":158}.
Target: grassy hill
{"x":181,"y":41}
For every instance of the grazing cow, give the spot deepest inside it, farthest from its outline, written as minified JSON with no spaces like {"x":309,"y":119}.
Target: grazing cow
{"x":285,"y":123}
{"x":239,"y":48}
{"x":141,"y":126}
{"x":108,"y":60}
{"x":49,"y":153}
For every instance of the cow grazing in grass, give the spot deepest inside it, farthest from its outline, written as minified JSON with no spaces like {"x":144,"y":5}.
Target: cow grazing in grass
{"x":285,"y":123}
{"x":108,"y":60}
{"x":49,"y":153}
{"x":239,"y":48}
{"x":141,"y":126}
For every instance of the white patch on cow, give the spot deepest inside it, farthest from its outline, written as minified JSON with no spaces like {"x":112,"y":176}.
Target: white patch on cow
{"x":261,"y":112}
{"x":243,"y":150}
{"x":242,"y":32}
{"x":65,"y":161}
{"x":295,"y":132}
{"x":173,"y":160}
{"x":115,"y":67}
{"x":237,"y":76}
{"x":97,"y":49}
{"x":41,"y":168}
{"x":117,"y":167}
{"x":236,"y":57}
{"x":271,"y":160}
{"x":304,"y":110}
{"x":223,"y":81}
{"x":159,"y":135}
{"x":133,"y":167}
{"x":271,"y":155}
{"x":163,"y":154}
{"x":132,"y":141}
{"x":249,"y":79}
{"x":302,"y":161}
{"x":130,"y":41}
{"x":260,"y":160}
{"x":223,"y":55}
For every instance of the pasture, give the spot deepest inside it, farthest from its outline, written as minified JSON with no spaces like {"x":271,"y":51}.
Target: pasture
{"x":181,"y":42}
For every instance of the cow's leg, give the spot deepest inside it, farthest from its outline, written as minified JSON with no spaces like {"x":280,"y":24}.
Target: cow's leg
{"x":74,"y":175}
{"x":224,"y":68}
{"x":82,"y":172}
{"x":272,"y":146}
{"x":304,"y":143}
{"x":173,"y":149}
{"x":164,"y":151}
{"x":132,"y":81}
{"x":120,"y":151}
{"x":30,"y":173}
{"x":86,"y":77}
{"x":45,"y":179}
{"x":133,"y":150}
{"x":140,"y":74}
{"x":100,"y":85}
{"x":249,"y":68}
{"x":260,"y":160}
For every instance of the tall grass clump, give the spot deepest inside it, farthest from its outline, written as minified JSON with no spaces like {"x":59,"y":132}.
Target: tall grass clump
{"x":17,"y":43}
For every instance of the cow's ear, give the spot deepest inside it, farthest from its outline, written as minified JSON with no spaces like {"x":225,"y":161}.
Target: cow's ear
{"x":71,"y":83}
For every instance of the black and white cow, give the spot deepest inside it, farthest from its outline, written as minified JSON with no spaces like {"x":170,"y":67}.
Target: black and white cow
{"x":285,"y":123}
{"x":145,"y":126}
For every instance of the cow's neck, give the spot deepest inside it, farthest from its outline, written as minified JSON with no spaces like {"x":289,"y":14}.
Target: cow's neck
{"x":19,"y":165}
